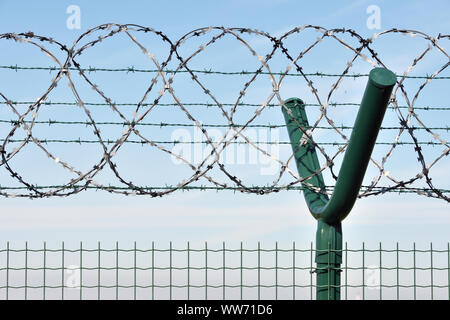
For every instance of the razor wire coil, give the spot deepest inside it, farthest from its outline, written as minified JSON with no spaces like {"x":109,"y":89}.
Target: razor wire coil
{"x":164,"y":75}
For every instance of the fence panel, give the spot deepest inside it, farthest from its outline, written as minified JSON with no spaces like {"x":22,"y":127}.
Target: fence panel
{"x":203,"y":272}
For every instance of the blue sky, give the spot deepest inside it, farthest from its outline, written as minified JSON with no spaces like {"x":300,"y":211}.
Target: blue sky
{"x":223,"y":216}
{"x":176,"y":17}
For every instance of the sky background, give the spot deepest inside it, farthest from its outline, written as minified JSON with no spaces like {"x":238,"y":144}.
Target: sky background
{"x":217,"y":216}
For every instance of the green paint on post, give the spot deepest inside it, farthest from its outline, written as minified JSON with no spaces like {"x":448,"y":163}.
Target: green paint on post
{"x":331,"y":211}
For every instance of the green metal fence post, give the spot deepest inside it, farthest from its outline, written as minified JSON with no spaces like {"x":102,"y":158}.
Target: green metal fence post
{"x":331,"y":211}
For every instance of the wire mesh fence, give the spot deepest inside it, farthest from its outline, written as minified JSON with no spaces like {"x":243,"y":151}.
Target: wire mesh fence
{"x":112,"y":127}
{"x":202,"y":272}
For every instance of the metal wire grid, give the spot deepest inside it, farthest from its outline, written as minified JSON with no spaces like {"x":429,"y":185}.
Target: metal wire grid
{"x":202,"y":272}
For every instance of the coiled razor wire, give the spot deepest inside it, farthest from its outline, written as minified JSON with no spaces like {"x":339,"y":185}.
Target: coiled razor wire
{"x":86,"y":180}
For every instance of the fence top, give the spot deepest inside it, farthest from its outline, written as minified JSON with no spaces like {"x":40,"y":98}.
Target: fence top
{"x":201,"y":178}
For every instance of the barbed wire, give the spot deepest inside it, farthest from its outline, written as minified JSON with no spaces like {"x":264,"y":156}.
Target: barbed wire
{"x":144,"y":142}
{"x":260,"y":189}
{"x":202,"y":104}
{"x":132,"y":69}
{"x":164,"y":76}
{"x":167,"y":124}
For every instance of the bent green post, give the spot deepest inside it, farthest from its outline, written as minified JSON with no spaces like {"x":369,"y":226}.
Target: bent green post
{"x":331,"y":211}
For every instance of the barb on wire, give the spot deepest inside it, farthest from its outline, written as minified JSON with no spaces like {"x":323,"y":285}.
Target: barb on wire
{"x":26,"y":112}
